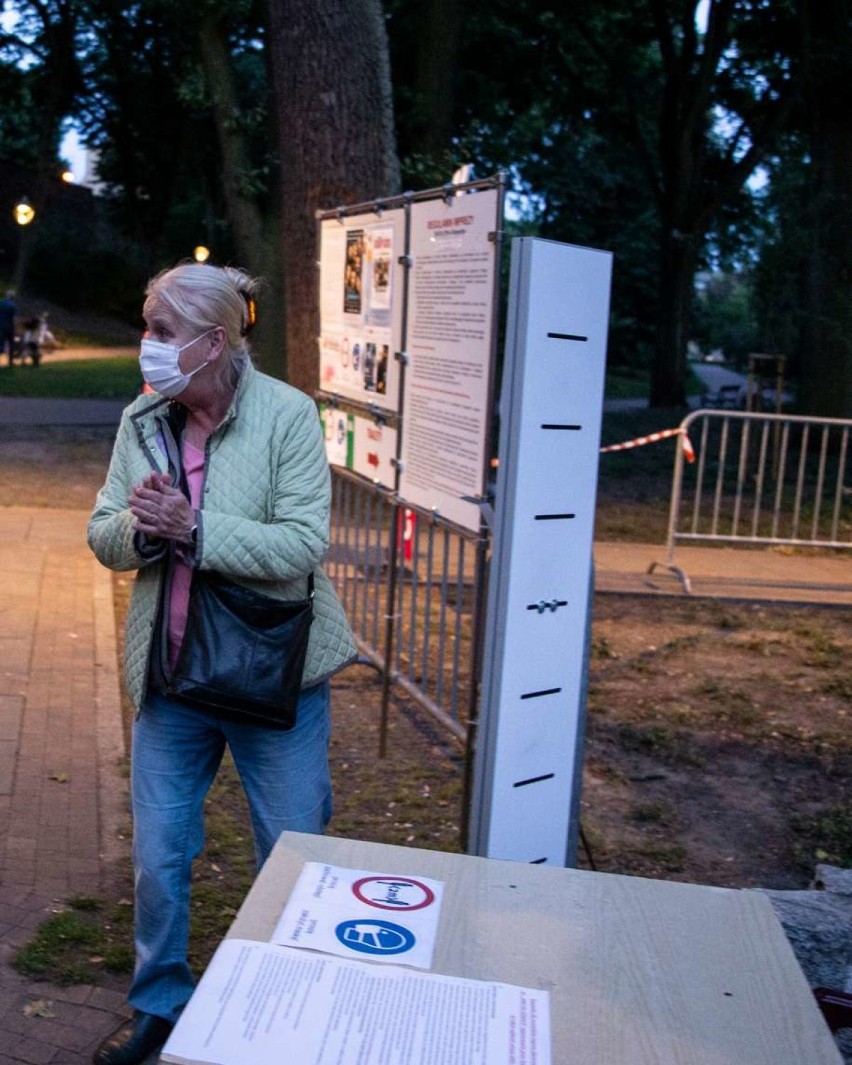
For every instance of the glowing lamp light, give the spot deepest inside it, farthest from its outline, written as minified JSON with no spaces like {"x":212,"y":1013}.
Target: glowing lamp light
{"x":67,"y":176}
{"x":201,"y":254}
{"x":24,"y":212}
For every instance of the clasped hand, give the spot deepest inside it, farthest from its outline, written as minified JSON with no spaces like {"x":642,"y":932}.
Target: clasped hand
{"x":161,"y":510}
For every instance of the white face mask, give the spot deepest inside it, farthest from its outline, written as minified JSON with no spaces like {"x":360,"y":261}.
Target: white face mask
{"x":161,"y":368}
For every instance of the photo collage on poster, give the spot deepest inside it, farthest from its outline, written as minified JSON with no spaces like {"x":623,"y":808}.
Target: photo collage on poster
{"x":359,"y":322}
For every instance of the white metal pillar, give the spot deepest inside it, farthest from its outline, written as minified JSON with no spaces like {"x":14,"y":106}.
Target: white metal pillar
{"x":528,"y":761}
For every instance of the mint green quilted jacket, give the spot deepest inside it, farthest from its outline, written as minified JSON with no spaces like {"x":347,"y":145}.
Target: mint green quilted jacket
{"x":264,"y":520}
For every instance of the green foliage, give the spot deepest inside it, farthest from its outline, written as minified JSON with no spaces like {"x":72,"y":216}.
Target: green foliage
{"x":782,"y":251}
{"x":725,"y":316}
{"x":600,"y":113}
{"x":107,"y":273}
{"x":152,"y":122}
{"x":155,"y":146}
{"x":18,"y":134}
{"x":586,"y":107}
{"x":660,"y":742}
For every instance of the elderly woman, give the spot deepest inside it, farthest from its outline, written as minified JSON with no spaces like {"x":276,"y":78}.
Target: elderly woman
{"x":223,"y":470}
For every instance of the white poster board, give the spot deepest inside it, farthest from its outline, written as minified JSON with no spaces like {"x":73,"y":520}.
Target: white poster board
{"x":449,"y":345}
{"x":361,"y":306}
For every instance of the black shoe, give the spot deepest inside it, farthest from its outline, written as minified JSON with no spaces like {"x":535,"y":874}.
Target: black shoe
{"x":134,"y":1040}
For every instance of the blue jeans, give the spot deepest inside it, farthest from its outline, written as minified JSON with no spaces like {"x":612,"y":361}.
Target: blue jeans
{"x":176,"y":751}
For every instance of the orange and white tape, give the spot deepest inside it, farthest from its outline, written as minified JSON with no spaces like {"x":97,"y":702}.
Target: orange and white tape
{"x":652,"y":438}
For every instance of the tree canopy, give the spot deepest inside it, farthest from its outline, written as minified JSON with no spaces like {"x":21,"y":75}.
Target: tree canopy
{"x":638,"y":128}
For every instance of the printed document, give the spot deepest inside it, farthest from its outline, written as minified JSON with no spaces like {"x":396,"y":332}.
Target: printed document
{"x":261,"y":1004}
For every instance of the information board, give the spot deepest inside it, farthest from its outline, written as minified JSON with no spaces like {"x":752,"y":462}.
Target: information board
{"x":449,"y":344}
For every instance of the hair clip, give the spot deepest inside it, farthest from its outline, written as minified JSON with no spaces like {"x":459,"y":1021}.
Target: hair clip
{"x":251,"y":314}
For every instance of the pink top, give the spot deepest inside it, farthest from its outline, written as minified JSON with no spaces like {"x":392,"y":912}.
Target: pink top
{"x":193,"y":465}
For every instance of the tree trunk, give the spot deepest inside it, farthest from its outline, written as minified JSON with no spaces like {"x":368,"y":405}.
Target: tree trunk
{"x":256,"y":235}
{"x":331,"y":78}
{"x":826,"y":356}
{"x":674,"y":312}
{"x":682,"y":154}
{"x":437,"y":76}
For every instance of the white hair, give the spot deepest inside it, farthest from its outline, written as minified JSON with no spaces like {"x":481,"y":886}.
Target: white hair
{"x":207,"y":297}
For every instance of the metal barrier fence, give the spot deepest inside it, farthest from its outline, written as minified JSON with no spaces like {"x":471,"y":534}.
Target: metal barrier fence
{"x":412,"y":588}
{"x":769,"y":479}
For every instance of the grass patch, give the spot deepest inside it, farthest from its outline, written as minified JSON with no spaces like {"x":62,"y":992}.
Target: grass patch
{"x":634,"y":487}
{"x":840,"y":685}
{"x":824,"y":837}
{"x":729,"y":704}
{"x":647,"y":813}
{"x":626,"y":385}
{"x":78,"y":944}
{"x":726,"y":619}
{"x":109,"y":378}
{"x":824,"y":652}
{"x":91,"y":937}
{"x":602,"y":648}
{"x":636,"y":384}
{"x":659,"y":742}
{"x":670,"y":857}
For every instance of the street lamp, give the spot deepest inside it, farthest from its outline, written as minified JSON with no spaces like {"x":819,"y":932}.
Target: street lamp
{"x":201,"y":254}
{"x":24,"y":212}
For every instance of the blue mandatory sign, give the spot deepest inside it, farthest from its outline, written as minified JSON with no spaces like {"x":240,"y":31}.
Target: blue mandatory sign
{"x":375,"y":937}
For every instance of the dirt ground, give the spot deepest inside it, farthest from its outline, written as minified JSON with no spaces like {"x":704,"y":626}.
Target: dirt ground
{"x":719,"y":744}
{"x":719,"y":747}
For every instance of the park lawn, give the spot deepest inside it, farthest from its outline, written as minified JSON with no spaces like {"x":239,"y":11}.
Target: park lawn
{"x":107,"y":378}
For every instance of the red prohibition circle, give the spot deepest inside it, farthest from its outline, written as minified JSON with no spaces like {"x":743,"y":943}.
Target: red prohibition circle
{"x":429,"y":894}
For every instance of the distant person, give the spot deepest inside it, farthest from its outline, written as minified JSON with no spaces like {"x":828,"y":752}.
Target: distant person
{"x":35,"y":338}
{"x":8,"y":310}
{"x":223,"y":469}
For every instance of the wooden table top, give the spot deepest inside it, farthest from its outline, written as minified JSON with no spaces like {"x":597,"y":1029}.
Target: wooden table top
{"x":640,"y":972}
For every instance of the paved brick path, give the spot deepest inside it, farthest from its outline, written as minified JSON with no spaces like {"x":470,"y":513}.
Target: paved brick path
{"x":62,"y":788}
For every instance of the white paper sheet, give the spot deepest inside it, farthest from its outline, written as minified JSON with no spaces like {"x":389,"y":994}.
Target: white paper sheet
{"x":384,"y":917}
{"x":261,"y":1004}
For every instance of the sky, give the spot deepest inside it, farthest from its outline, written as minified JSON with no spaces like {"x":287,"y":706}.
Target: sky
{"x":74,"y":154}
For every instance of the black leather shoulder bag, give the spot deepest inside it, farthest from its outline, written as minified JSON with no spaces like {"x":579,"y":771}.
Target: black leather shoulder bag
{"x":243,"y":652}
